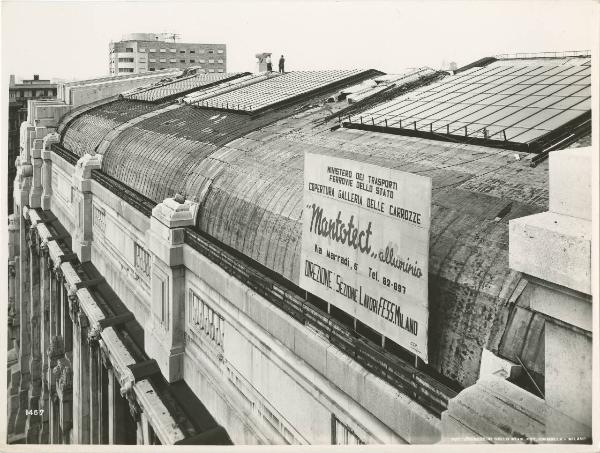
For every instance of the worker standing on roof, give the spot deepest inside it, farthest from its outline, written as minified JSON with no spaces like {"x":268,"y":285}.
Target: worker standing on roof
{"x":281,"y":64}
{"x":269,"y":65}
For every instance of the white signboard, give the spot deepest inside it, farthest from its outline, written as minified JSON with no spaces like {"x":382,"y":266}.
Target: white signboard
{"x":365,"y":245}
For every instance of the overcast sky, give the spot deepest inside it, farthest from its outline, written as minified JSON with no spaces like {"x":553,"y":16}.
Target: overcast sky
{"x":70,"y":39}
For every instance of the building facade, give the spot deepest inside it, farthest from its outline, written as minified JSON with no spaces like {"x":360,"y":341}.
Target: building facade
{"x":19,"y":94}
{"x":159,"y":233}
{"x":149,"y":52}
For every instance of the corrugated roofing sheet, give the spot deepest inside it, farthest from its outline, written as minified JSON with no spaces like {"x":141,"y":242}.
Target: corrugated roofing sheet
{"x":278,"y":89}
{"x":177,"y":86}
{"x":198,"y":97}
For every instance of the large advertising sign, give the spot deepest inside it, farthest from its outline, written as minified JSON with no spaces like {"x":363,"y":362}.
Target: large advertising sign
{"x":365,"y":245}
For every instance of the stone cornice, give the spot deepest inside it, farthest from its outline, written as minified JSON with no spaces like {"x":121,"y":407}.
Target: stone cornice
{"x":175,"y":214}
{"x":50,"y":139}
{"x":166,"y":429}
{"x":118,"y":354}
{"x":55,"y":255}
{"x":85,"y":165}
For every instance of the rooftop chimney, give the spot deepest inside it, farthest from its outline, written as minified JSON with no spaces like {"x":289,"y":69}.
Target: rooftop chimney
{"x":12,"y":80}
{"x":261,"y":60}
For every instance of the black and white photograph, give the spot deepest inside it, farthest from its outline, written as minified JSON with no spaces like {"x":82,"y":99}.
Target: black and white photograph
{"x":359,"y":224}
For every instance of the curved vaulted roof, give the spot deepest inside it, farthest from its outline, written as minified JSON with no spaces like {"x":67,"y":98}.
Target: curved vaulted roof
{"x":85,"y":132}
{"x":246,"y":171}
{"x":254,"y":205}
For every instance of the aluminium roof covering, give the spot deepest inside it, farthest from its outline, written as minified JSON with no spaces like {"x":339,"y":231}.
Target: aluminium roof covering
{"x":503,"y":101}
{"x":197,"y":97}
{"x":177,"y":86}
{"x":279,"y":87}
{"x":247,"y":174}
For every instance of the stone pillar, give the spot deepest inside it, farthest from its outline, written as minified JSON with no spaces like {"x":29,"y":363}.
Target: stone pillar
{"x":103,"y":400}
{"x":57,"y":303}
{"x":66,"y":321}
{"x":55,"y":352}
{"x":94,"y":387}
{"x":117,"y":412}
{"x":13,"y":308}
{"x":133,"y":412}
{"x":45,"y":340}
{"x":84,"y":379}
{"x":165,"y":324}
{"x":14,"y":368}
{"x":53,"y":304}
{"x":26,"y":132}
{"x":82,"y":200}
{"x":24,"y":330}
{"x":35,"y":195}
{"x":55,"y":421}
{"x":81,"y":382}
{"x":13,"y":396}
{"x":112,"y":423}
{"x":22,"y":188}
{"x":77,"y":436}
{"x":49,"y":140}
{"x":63,"y":375}
{"x":35,"y":363}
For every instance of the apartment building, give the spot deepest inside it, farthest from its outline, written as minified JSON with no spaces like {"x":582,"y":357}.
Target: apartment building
{"x":148,"y":52}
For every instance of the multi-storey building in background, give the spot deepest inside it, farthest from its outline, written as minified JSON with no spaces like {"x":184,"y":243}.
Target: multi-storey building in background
{"x":148,"y":52}
{"x":166,"y":285}
{"x":19,"y":94}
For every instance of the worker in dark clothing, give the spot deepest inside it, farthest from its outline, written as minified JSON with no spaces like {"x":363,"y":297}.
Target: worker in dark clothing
{"x":281,"y":64}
